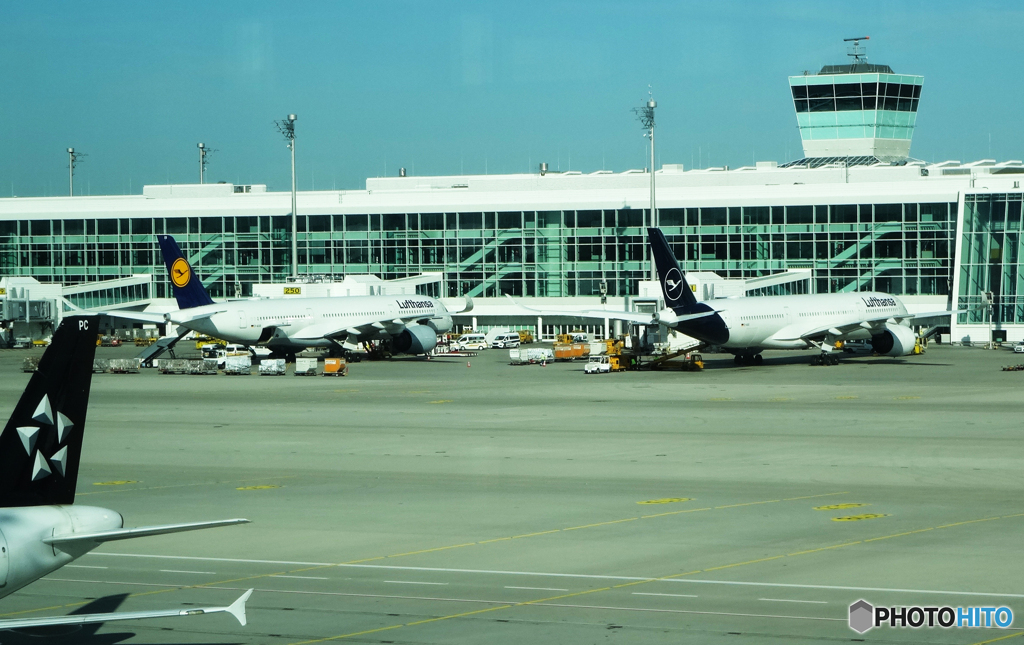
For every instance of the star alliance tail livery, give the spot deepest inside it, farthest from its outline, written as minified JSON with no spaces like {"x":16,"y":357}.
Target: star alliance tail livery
{"x":41,"y":529}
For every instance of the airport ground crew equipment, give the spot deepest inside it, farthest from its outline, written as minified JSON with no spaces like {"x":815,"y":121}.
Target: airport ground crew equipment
{"x":144,"y":341}
{"x":238,"y":365}
{"x":569,"y":347}
{"x":525,"y":336}
{"x":335,"y":367}
{"x":692,"y":362}
{"x":305,"y":367}
{"x":272,"y":367}
{"x":123,"y":366}
{"x":1013,"y":368}
{"x":30,"y":364}
{"x":531,"y":356}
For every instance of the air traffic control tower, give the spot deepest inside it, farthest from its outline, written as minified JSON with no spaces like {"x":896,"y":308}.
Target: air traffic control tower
{"x":856,"y":113}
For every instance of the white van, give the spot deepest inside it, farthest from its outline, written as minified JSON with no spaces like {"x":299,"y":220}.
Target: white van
{"x":472,"y":340}
{"x":506,"y":339}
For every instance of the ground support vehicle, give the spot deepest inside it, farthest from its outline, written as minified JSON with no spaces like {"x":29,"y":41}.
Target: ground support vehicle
{"x":598,"y":365}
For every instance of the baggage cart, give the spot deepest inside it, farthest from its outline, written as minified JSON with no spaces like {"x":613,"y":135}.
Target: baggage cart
{"x":305,"y":367}
{"x":335,"y":367}
{"x":272,"y":367}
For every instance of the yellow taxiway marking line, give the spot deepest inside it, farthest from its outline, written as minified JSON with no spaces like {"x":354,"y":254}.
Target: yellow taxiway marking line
{"x":1001,"y":638}
{"x":660,"y":578}
{"x":135,"y":489}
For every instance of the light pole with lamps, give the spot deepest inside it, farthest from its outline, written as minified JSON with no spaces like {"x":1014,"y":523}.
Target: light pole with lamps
{"x":287,"y":128}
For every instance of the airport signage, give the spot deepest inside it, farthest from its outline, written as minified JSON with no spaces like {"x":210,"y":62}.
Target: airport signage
{"x":865,"y":616}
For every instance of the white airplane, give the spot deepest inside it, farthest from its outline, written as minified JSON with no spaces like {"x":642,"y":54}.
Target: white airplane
{"x":289,"y":325}
{"x":747,"y":326}
{"x":41,"y":529}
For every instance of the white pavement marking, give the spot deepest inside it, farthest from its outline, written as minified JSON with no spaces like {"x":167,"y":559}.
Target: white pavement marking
{"x":414,"y":582}
{"x":571,"y":575}
{"x":538,"y":588}
{"x":204,"y":573}
{"x":811,"y":602}
{"x":300,"y":577}
{"x":83,"y":566}
{"x":674,"y":595}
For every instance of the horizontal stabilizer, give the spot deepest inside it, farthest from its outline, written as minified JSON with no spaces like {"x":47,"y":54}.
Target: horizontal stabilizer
{"x":236,"y":609}
{"x":83,"y":542}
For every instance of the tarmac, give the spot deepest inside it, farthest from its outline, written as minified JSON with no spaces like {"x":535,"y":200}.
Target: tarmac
{"x":465,"y":500}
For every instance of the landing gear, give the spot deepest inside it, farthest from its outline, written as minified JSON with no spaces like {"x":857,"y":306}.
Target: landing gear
{"x":825,"y":358}
{"x":748,"y":359}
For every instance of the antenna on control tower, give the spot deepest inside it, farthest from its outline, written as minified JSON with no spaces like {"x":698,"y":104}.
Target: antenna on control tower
{"x":859,"y":55}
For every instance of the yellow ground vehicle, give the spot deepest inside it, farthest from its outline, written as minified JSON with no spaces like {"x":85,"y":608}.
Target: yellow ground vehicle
{"x":525,"y":336}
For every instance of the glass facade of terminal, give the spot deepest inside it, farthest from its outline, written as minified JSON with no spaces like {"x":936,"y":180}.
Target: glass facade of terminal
{"x":900,"y":248}
{"x":991,"y":259}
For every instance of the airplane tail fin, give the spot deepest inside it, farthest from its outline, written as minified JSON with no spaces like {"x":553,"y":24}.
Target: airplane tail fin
{"x":42,"y":443}
{"x":678,"y":295}
{"x":188,"y":289}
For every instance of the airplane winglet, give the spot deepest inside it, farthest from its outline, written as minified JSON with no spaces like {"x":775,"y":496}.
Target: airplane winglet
{"x":237,"y":608}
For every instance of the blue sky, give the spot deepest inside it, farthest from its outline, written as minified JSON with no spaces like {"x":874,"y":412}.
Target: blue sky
{"x":449,"y":88}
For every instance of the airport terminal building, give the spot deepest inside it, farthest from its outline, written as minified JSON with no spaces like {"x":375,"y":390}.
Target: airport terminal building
{"x":856,"y":212}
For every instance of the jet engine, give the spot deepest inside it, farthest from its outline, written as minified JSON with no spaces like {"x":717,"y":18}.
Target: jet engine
{"x":415,"y":339}
{"x":896,"y":340}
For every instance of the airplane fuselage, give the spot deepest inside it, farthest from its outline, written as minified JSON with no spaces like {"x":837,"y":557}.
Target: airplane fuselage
{"x":280,"y":323}
{"x":25,"y":557}
{"x":745,"y":325}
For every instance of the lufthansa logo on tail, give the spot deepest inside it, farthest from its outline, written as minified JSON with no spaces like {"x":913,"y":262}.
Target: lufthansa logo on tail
{"x":673,"y":284}
{"x":181,"y":272}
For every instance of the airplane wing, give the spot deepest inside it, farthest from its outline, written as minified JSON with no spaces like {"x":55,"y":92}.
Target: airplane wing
{"x":137,"y":316}
{"x":236,"y":609}
{"x":611,"y":314}
{"x":361,"y":327}
{"x":179,"y":317}
{"x":80,"y":543}
{"x":868,"y":323}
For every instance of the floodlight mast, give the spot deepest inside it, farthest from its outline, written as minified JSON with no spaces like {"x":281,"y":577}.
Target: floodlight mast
{"x":646,"y":116}
{"x":287,"y":128}
{"x":204,"y":153}
{"x":73,"y":159}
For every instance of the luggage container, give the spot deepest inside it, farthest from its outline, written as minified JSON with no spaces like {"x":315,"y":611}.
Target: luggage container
{"x":305,"y":367}
{"x":539,"y":355}
{"x":272,"y":367}
{"x":238,"y":365}
{"x":335,"y":367}
{"x":201,"y":366}
{"x":31,"y":363}
{"x":100,"y":365}
{"x":172,"y":365}
{"x":124,"y":366}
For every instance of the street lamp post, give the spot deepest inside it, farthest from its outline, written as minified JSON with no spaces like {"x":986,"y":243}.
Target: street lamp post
{"x":287,"y":128}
